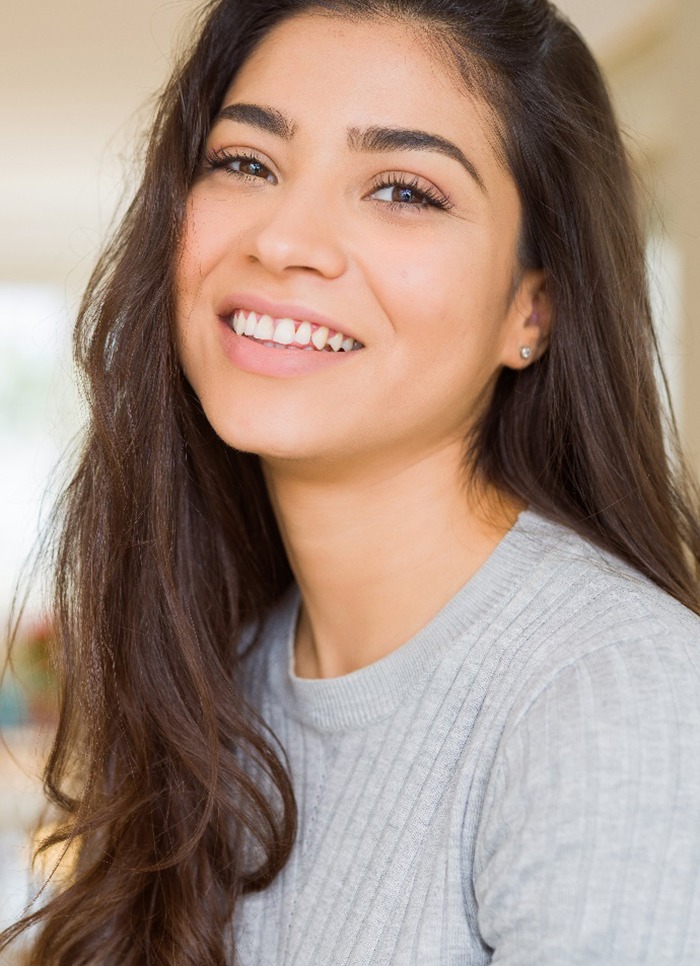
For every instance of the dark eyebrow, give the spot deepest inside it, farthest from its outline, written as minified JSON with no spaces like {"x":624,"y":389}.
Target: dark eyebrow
{"x":406,"y":139}
{"x":263,"y":117}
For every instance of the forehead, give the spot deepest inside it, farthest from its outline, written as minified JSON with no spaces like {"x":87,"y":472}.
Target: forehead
{"x":368,"y":37}
{"x":331,"y":69}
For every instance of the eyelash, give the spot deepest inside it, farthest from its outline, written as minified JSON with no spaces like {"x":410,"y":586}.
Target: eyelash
{"x":431,"y":197}
{"x":221,"y":159}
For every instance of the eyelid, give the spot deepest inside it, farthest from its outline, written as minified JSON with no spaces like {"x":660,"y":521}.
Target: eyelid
{"x":436,"y":198}
{"x":217,"y":158}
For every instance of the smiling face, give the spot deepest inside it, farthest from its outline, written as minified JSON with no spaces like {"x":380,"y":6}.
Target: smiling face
{"x":349,"y":185}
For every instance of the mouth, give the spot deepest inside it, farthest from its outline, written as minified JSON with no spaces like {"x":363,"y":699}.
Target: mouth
{"x":290,"y":333}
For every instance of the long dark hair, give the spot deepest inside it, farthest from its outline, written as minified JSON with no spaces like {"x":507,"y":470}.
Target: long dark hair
{"x":175,"y":797}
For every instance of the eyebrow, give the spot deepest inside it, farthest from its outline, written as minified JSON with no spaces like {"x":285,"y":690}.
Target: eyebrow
{"x":265,"y":118}
{"x":407,"y":139}
{"x":379,"y":139}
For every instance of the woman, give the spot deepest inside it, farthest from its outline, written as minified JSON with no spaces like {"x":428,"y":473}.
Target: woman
{"x":377,"y":590}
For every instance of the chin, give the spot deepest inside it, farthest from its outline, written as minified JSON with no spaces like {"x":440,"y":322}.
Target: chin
{"x":270,"y":438}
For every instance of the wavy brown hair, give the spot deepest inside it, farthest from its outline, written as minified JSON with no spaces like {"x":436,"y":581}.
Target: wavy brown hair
{"x":175,"y":798}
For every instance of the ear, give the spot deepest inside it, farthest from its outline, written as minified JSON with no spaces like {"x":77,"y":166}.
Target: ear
{"x":529,"y":321}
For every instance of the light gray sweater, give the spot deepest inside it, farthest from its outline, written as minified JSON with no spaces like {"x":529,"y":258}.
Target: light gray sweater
{"x":517,"y":784}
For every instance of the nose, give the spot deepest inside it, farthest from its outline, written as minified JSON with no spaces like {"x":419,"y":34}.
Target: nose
{"x":297,"y":231}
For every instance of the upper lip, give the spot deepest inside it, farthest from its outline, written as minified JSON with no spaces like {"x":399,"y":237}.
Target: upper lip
{"x":279,"y":310}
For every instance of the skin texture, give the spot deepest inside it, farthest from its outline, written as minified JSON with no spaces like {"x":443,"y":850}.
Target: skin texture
{"x":364,"y":458}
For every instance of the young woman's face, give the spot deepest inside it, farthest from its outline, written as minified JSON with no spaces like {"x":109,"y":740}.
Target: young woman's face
{"x":350,"y":183}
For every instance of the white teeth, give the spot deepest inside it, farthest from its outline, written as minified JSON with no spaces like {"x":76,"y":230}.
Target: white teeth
{"x":265,"y":329}
{"x":284,"y":332}
{"x":336,"y":342}
{"x":303,"y":336}
{"x":320,"y":337}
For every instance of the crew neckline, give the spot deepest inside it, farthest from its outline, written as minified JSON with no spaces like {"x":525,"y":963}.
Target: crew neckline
{"x":376,"y":690}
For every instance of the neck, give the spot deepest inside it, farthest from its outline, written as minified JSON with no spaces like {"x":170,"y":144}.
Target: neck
{"x":376,"y":554}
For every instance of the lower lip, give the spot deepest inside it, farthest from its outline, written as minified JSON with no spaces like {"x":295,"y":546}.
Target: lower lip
{"x":251,"y":356}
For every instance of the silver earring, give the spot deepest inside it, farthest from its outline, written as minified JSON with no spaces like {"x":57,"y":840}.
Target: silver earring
{"x":525,"y":352}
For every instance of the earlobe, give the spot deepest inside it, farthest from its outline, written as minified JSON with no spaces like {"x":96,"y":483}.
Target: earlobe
{"x":532,"y":318}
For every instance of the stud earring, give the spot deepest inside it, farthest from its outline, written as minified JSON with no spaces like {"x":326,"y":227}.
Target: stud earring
{"x":525,"y":352}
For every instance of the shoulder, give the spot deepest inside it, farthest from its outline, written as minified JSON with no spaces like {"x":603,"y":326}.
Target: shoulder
{"x":566,"y":562}
{"x":589,"y":822}
{"x":593,"y":655}
{"x":583,"y":610}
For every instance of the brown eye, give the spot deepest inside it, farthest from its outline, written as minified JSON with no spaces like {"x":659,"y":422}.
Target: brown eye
{"x":397,"y":192}
{"x":251,"y":167}
{"x":239,"y":165}
{"x":407,"y":196}
{"x":400,"y":195}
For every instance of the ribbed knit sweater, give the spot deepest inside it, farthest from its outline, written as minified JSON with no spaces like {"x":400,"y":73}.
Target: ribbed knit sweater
{"x":517,"y":784}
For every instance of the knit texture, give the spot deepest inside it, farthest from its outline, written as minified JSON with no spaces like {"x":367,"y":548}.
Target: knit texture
{"x":517,"y":784}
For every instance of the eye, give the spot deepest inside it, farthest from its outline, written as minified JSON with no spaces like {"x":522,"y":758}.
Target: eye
{"x":239,"y":164}
{"x":399,"y":192}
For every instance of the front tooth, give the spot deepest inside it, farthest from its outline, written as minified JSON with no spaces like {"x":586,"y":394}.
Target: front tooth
{"x":250,"y":323}
{"x":336,"y":342}
{"x":303,"y":336}
{"x":284,"y":332}
{"x":348,"y":345}
{"x":320,"y":337}
{"x":238,"y":323}
{"x":265,"y":328}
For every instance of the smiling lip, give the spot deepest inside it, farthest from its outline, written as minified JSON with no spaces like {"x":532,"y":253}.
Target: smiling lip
{"x":279,"y":310}
{"x":262,"y":359}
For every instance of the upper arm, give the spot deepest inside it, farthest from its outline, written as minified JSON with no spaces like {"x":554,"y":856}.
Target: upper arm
{"x":588,"y":850}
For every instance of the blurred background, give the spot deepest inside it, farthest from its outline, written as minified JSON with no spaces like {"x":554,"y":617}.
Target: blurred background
{"x":76,"y":84}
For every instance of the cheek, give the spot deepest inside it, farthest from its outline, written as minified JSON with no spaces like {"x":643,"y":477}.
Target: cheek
{"x":209,"y":234}
{"x":190,"y":264}
{"x":206,"y":243}
{"x":436,"y":285}
{"x":195,"y":256}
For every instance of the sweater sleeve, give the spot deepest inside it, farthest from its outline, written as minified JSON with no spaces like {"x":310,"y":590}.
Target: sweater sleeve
{"x":588,"y":850}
